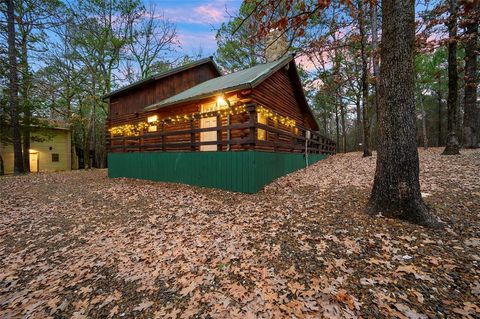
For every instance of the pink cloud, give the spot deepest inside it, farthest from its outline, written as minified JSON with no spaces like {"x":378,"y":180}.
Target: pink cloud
{"x":304,"y":62}
{"x":309,"y":65}
{"x":203,"y":14}
{"x":210,"y":14}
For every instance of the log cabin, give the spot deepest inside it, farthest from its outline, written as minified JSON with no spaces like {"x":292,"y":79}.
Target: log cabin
{"x":193,"y":125}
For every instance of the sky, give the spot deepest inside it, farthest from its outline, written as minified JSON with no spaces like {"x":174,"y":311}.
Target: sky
{"x":196,"y":21}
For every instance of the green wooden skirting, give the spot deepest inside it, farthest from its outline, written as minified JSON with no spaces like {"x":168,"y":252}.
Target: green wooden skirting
{"x":245,"y":171}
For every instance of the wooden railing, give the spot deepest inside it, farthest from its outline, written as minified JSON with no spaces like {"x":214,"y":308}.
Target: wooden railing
{"x":277,"y":139}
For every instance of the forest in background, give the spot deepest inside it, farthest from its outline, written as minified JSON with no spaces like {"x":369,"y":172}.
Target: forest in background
{"x":68,"y":55}
{"x":338,"y":47}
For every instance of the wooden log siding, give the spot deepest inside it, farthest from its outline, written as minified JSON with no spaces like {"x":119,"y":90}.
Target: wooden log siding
{"x":277,"y":94}
{"x":130,"y":102}
{"x":185,"y":136}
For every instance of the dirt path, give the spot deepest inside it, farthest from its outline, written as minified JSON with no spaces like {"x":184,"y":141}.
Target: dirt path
{"x":80,"y":245}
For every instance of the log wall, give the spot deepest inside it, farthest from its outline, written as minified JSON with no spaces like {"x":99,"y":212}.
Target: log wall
{"x":135,"y":100}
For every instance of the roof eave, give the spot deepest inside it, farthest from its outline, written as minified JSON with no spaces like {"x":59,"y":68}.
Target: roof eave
{"x":249,"y":85}
{"x":287,"y":59}
{"x":304,"y":99}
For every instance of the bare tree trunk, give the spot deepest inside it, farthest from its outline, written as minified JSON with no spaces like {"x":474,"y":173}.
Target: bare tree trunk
{"x":396,"y":187}
{"x":452,"y":146}
{"x":2,"y":168}
{"x":471,"y":119}
{"x":424,"y":124}
{"x":13,"y":88}
{"x":358,"y":122}
{"x":375,"y":62}
{"x":440,"y":118}
{"x":337,"y":126}
{"x":344,"y":129}
{"x":93,"y":139}
{"x":27,"y":112}
{"x":86,"y":147}
{"x":364,"y":80}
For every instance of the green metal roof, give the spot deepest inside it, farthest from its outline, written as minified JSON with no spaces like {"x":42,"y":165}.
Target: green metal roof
{"x":245,"y":79}
{"x":162,"y":75}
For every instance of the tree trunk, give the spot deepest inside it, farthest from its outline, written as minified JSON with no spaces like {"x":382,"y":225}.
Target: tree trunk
{"x":337,"y":126}
{"x":375,"y":62}
{"x":13,"y":88}
{"x":471,"y":119}
{"x":344,"y":129}
{"x":2,"y":168}
{"x":358,"y":123}
{"x":396,"y":187}
{"x":452,"y":146}
{"x":27,"y":112}
{"x":93,"y":139}
{"x":364,"y":80}
{"x":86,"y":147}
{"x":424,"y":124}
{"x":439,"y":96}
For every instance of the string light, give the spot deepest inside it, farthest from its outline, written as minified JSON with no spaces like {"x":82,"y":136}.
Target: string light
{"x":284,"y":120}
{"x":139,"y":128}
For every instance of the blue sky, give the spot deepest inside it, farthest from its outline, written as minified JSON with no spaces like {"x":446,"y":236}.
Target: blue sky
{"x":197,"y":20}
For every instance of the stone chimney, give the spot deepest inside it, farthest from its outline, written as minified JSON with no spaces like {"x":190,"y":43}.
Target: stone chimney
{"x":276,"y":45}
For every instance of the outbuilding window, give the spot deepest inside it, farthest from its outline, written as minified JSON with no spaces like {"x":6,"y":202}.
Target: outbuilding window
{"x":55,"y":157}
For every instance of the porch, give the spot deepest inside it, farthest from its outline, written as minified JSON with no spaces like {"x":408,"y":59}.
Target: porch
{"x":239,"y":127}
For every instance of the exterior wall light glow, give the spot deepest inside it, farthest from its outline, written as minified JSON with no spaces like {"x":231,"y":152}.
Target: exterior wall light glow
{"x":221,"y":102}
{"x":152,"y":118}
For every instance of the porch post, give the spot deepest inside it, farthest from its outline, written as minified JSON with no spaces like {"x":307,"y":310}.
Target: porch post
{"x":219,"y":132}
{"x":163,"y":137}
{"x":275,"y":141}
{"x":252,"y":120}
{"x":192,"y":136}
{"x":111,"y":142}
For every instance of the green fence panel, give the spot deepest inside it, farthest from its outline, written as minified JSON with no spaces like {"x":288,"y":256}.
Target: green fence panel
{"x":243,"y":171}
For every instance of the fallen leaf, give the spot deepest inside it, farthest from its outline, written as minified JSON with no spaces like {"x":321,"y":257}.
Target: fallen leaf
{"x":144,"y":305}
{"x":418,"y":295}
{"x":410,"y":313}
{"x":113,"y":312}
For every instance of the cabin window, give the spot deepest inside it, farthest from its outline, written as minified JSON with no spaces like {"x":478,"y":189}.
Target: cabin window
{"x":55,"y":157}
{"x":261,"y":133}
{"x":152,"y":121}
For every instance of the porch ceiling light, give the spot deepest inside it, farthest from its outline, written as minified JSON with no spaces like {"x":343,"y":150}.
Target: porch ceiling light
{"x":221,"y":101}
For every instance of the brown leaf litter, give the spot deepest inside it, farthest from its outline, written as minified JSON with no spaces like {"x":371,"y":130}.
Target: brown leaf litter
{"x":80,"y":245}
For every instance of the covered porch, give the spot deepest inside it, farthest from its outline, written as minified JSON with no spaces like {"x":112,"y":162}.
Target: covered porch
{"x":220,"y":127}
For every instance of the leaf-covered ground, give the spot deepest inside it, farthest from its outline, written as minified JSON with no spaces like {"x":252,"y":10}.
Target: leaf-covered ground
{"x":80,"y":245}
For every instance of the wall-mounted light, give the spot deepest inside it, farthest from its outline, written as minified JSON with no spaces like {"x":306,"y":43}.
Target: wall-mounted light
{"x":152,"y":118}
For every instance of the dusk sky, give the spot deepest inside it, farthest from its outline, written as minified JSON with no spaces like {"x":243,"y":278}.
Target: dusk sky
{"x":197,"y":20}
